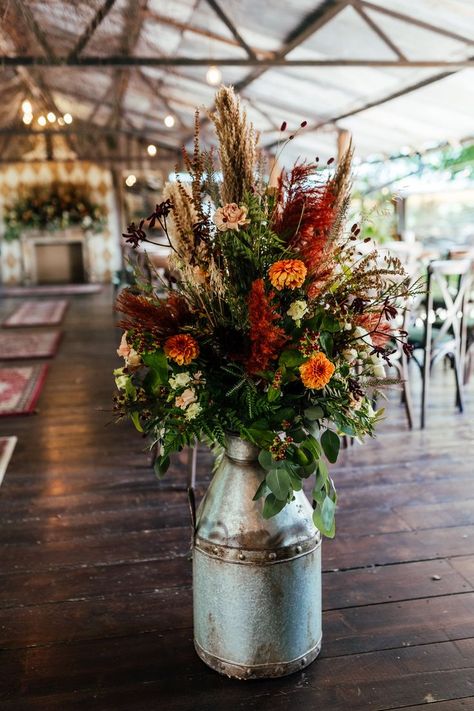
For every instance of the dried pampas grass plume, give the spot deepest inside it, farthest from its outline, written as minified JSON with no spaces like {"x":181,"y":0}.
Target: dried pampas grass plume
{"x":237,"y":146}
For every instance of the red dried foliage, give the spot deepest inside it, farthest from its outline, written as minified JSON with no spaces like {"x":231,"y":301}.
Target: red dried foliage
{"x":266,"y":337}
{"x":376,"y":325}
{"x":306,"y":214}
{"x":160,"y":318}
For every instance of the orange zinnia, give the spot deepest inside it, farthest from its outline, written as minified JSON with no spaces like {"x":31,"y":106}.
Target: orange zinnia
{"x":317,"y":371}
{"x":181,"y":348}
{"x":289,"y":273}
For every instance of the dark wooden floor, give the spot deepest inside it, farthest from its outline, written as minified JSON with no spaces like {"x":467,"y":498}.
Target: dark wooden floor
{"x":95,"y":596}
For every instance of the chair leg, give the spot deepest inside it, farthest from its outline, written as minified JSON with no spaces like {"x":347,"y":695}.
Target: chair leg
{"x":424,"y":393}
{"x":406,"y":393}
{"x":192,"y":466}
{"x":459,"y":384}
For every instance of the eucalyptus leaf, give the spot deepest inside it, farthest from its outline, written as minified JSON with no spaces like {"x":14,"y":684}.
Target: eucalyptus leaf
{"x":272,"y":506}
{"x":290,"y":358}
{"x":327,"y":342}
{"x":266,"y":460}
{"x":262,"y":490}
{"x":279,"y":483}
{"x":330,"y":443}
{"x":158,"y":363}
{"x":314,"y":413}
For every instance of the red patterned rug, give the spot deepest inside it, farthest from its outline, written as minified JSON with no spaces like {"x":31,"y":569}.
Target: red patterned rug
{"x":17,"y":345}
{"x":51,"y":290}
{"x":20,"y":388}
{"x":7,"y":445}
{"x":37,"y":313}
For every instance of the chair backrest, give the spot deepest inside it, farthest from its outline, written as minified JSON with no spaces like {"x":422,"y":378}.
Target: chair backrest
{"x":441,"y":274}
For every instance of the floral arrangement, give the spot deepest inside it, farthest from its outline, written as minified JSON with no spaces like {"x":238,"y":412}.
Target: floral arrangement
{"x":54,"y":206}
{"x":280,"y":322}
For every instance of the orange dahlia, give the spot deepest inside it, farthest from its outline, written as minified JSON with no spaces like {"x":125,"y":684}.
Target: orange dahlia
{"x":317,"y":371}
{"x":181,"y":348}
{"x":289,"y":273}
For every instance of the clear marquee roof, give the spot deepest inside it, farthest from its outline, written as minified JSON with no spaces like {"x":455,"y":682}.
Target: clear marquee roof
{"x":397,"y":74}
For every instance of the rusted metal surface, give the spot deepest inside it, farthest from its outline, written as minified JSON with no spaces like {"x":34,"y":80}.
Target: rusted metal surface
{"x":257,"y":582}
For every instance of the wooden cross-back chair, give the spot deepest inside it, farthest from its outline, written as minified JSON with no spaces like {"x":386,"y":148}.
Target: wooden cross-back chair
{"x":445,"y":329}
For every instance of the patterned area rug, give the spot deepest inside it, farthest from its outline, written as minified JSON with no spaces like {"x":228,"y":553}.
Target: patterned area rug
{"x":17,"y":345}
{"x":53,"y":290}
{"x":37,"y":313}
{"x":7,"y":445}
{"x":20,"y":388}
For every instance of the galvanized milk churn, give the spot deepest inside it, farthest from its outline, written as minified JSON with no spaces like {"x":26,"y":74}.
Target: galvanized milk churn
{"x":257,"y":582}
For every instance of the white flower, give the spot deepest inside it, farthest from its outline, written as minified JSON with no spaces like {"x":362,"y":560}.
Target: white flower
{"x":180,"y":380}
{"x":193,"y":411}
{"x":378,"y":369}
{"x":363,"y":335}
{"x":187,"y":397}
{"x":350,"y":355}
{"x":297,"y":310}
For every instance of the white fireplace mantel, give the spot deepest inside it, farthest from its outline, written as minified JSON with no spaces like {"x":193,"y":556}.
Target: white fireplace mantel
{"x":30,"y":239}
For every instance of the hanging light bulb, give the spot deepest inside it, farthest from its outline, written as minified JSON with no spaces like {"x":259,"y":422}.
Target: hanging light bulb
{"x":42,"y":120}
{"x":169,"y":121}
{"x":27,"y":118}
{"x":151,"y":150}
{"x":60,"y":121}
{"x":67,"y":118}
{"x":130,"y":180}
{"x":51,"y":117}
{"x":213,"y":75}
{"x":26,"y":107}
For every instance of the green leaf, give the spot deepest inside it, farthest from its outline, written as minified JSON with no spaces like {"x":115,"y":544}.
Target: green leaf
{"x":296,"y":482}
{"x":161,"y":466}
{"x":327,"y":342}
{"x":331,"y":444}
{"x":135,"y":418}
{"x":312,"y":445}
{"x":157,"y":362}
{"x":314,"y":413}
{"x":330,"y":323}
{"x":266,"y":460}
{"x":261,"y":491}
{"x":273,"y":394}
{"x":324,"y":517}
{"x":262,"y":438}
{"x":290,"y":358}
{"x":272,"y":506}
{"x":279,"y":483}
{"x":323,"y":470}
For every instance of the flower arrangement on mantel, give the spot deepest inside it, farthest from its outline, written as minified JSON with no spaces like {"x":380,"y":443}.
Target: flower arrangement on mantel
{"x":279,"y":325}
{"x":52,"y":207}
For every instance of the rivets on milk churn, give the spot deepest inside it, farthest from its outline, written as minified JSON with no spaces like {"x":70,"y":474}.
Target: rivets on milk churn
{"x":299,"y":549}
{"x":272,"y":556}
{"x":241,"y":556}
{"x":215,"y":550}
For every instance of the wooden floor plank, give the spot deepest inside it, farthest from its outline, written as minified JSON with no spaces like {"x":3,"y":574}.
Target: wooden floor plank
{"x":95,"y":596}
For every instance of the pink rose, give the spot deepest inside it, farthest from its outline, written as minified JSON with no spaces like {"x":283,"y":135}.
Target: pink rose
{"x":124,"y":349}
{"x":187,"y":397}
{"x":132,"y":359}
{"x":231,"y":217}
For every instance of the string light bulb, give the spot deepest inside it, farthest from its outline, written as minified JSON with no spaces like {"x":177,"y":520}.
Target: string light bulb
{"x":151,"y":150}
{"x":27,"y":118}
{"x":130,"y":180}
{"x":42,"y":120}
{"x":51,"y":117}
{"x":26,"y":107}
{"x":214,"y":75}
{"x":67,"y":118}
{"x":169,"y":121}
